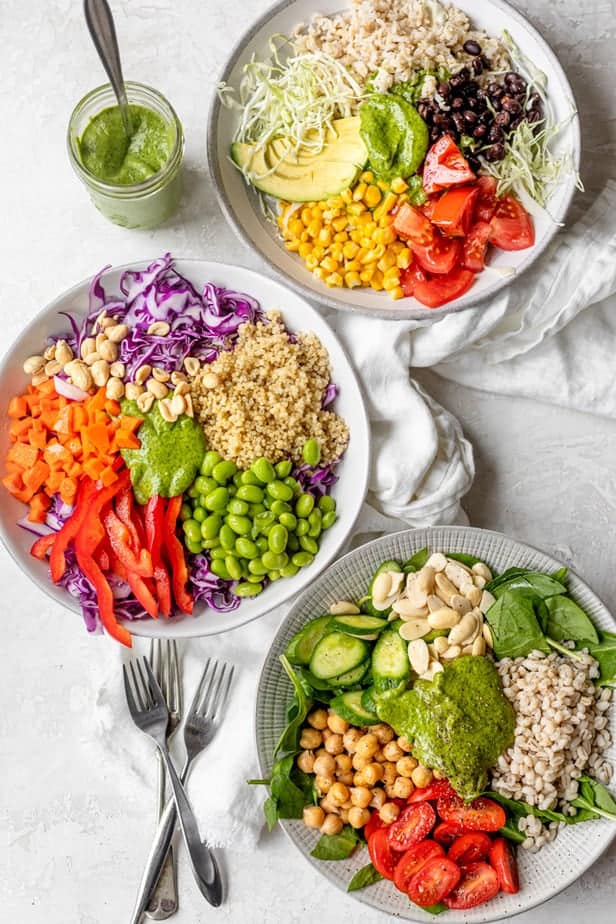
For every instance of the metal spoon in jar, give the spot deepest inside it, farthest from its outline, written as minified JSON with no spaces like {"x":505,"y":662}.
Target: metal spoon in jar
{"x":101,"y":27}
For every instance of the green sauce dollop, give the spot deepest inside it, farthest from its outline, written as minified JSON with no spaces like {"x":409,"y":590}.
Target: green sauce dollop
{"x":170,"y":455}
{"x":110,"y":156}
{"x":395,"y":135}
{"x":459,"y":723}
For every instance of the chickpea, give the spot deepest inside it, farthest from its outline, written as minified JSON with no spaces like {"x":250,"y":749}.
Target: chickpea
{"x":360,"y":762}
{"x":389,"y":812}
{"x":358,"y":778}
{"x":324,"y":765}
{"x":361,"y":796}
{"x":327,"y":732}
{"x":339,"y":793}
{"x":310,"y":739}
{"x":358,"y":817}
{"x":324,"y":783}
{"x":378,"y":798}
{"x":389,"y":773}
{"x":402,"y":787}
{"x":367,"y":746}
{"x":343,"y":763}
{"x":347,"y":778}
{"x":344,"y":814}
{"x":404,"y":744}
{"x":390,"y":791}
{"x":318,"y":719}
{"x":336,"y":724}
{"x":314,"y":816}
{"x":333,"y":824}
{"x":305,"y":762}
{"x":384,"y":733}
{"x":350,"y":739}
{"x":421,"y":776}
{"x":320,"y":752}
{"x":380,"y":757}
{"x":438,"y":775}
{"x":334,"y":745}
{"x":373,"y":773}
{"x":329,"y":807}
{"x":393,"y":751}
{"x":406,"y":766}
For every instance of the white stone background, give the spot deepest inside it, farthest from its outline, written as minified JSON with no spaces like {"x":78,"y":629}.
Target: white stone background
{"x":75,"y":832}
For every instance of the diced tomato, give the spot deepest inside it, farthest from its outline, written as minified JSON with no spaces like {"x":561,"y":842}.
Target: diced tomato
{"x":504,"y":864}
{"x":475,"y":246}
{"x":429,"y":205}
{"x":434,"y":881}
{"x":442,"y":289}
{"x":375,"y":824}
{"x":469,"y":848}
{"x":481,"y":814}
{"x":440,"y":256}
{"x":445,"y":166}
{"x":453,"y":212}
{"x":478,"y":884}
{"x":384,"y":859}
{"x":446,"y":833}
{"x":412,"y":861}
{"x":433,"y":791}
{"x":410,"y":277}
{"x":485,"y":204}
{"x":411,"y":224}
{"x":411,"y":826}
{"x":511,"y":227}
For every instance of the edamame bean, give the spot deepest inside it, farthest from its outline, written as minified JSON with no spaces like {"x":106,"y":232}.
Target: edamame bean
{"x":227,"y":537}
{"x":261,"y":544}
{"x":311,"y":452}
{"x":256,"y":566}
{"x":288,"y":519}
{"x":250,"y":493}
{"x":278,"y":507}
{"x":289,"y":570}
{"x":192,"y":530}
{"x":314,"y":521}
{"x":185,"y":512}
{"x":220,"y":569}
{"x":278,"y":490}
{"x":309,"y":545}
{"x":255,"y":509}
{"x":264,"y":470}
{"x":274,"y":561}
{"x":277,"y":538}
{"x":237,"y":479}
{"x":326,"y":503}
{"x":233,"y":567}
{"x":293,"y":543}
{"x":194,"y":547}
{"x":192,"y":492}
{"x":263,"y":520}
{"x":218,"y":554}
{"x":302,"y":559}
{"x":246,"y":548}
{"x":249,"y":477}
{"x":274,"y":575}
{"x":304,"y":505}
{"x":237,"y":506}
{"x":254,"y":578}
{"x":199,"y":514}
{"x":293,"y":484}
{"x":240,"y":525}
{"x":329,"y":518}
{"x":284,"y":468}
{"x":210,"y":459}
{"x":224,"y":471}
{"x":206,"y":484}
{"x":217,"y":500}
{"x":248,"y":590}
{"x":302,"y":527}
{"x":210,"y":527}
{"x":210,"y":543}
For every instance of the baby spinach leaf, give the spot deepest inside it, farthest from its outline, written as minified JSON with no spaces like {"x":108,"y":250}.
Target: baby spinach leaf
{"x":516,"y":809}
{"x":512,"y":832}
{"x":515,"y":628}
{"x":534,"y":583}
{"x":296,"y":713}
{"x":365,"y":876}
{"x":290,"y":791}
{"x":336,"y":846}
{"x":468,"y":560}
{"x":270,"y":810}
{"x":436,"y":909}
{"x":605,"y":653}
{"x":595,"y":799}
{"x":561,"y":575}
{"x":416,"y":561}
{"x":567,"y":621}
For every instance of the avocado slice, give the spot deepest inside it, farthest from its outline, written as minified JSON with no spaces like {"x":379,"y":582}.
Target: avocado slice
{"x":304,"y":176}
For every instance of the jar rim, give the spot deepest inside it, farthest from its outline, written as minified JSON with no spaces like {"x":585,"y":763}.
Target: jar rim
{"x":131,"y":190}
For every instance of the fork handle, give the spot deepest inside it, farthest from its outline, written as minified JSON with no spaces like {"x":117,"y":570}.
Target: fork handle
{"x":164,"y":897}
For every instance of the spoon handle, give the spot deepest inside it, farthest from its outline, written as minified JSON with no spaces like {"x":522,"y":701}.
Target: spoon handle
{"x":100,"y":24}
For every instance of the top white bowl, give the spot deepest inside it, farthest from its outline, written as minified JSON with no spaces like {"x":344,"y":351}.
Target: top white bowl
{"x":240,"y":203}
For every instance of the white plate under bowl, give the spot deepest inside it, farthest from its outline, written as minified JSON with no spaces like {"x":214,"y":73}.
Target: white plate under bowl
{"x":241,"y":206}
{"x":543,"y":874}
{"x":349,"y":491}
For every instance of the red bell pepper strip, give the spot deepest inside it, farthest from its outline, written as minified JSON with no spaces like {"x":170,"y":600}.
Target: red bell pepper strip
{"x":128,"y":513}
{"x":57,"y":561}
{"x":42,"y":546}
{"x":86,"y":543}
{"x":143,"y":594}
{"x":175,"y":551}
{"x":154,"y":526}
{"x":120,"y":542}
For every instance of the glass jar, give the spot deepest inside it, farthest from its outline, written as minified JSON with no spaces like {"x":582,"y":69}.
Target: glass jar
{"x":139,"y":205}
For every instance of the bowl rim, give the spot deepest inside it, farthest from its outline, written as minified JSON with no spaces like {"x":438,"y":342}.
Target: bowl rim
{"x":137,"y":626}
{"x":326,"y":298}
{"x":301,"y":599}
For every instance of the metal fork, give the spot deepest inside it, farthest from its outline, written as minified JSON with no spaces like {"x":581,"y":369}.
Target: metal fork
{"x":201,"y":724}
{"x":165,"y":665}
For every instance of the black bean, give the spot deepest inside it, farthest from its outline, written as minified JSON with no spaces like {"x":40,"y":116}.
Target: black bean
{"x":511,"y":105}
{"x":486,"y":118}
{"x":495,"y":134}
{"x":477,"y":66}
{"x":457,"y":103}
{"x":533,"y":116}
{"x":471,"y":47}
{"x":443,"y":89}
{"x":480,"y":131}
{"x":515,"y":82}
{"x":458,"y":121}
{"x":495,"y":89}
{"x":502,"y":119}
{"x":424,"y":111}
{"x":495,"y":152}
{"x":471,"y":102}
{"x":486,"y":62}
{"x":441,"y":120}
{"x":460,"y":78}
{"x":517,"y":121}
{"x":473,"y":163}
{"x":470,"y":117}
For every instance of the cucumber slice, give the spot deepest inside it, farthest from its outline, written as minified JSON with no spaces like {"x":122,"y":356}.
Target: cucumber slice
{"x":390,"y":662}
{"x":351,"y":678}
{"x":300,"y":648}
{"x":367,"y":700}
{"x":367,"y":627}
{"x":365,"y":604}
{"x":336,"y":654}
{"x":435,"y":633}
{"x":350,"y":708}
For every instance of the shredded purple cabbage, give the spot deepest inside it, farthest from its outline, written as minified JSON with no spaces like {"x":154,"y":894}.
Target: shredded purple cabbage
{"x":206,"y":586}
{"x":316,"y":481}
{"x":330,"y":395}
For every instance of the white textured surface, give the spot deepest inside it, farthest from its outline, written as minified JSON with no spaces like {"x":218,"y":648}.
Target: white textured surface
{"x":76,"y":831}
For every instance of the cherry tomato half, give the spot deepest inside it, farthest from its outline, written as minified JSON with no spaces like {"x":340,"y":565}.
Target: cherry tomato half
{"x":375,"y":824}
{"x":511,"y":227}
{"x":475,"y":246}
{"x":440,"y":256}
{"x":446,"y":833}
{"x":433,"y":791}
{"x":504,"y":863}
{"x":384,"y":859}
{"x":412,"y":861}
{"x":434,"y":882}
{"x":410,"y":277}
{"x":438,"y":290}
{"x":413,"y":225}
{"x":453,"y":212}
{"x":445,"y":166}
{"x":412,"y":825}
{"x":470,"y":847}
{"x":479,"y":815}
{"x":478,"y":884}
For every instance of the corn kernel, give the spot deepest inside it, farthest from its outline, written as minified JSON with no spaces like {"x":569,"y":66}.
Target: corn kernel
{"x":329,"y":264}
{"x":319,"y":273}
{"x":384,"y":236}
{"x":352,"y":280}
{"x":397,"y":247}
{"x":389,"y":284}
{"x":376,"y":282}
{"x":358,"y":192}
{"x":387,"y":261}
{"x":372,"y":196}
{"x":356,"y":208}
{"x":374,"y":254}
{"x":367,"y":176}
{"x":304,"y":249}
{"x":350,"y":250}
{"x":293,"y":246}
{"x":325,"y":236}
{"x":352,"y":266}
{"x":364,"y":221}
{"x":356,"y":235}
{"x":330,"y":214}
{"x":335,"y":202}
{"x":404,"y":258}
{"x":399,"y":185}
{"x":311,"y":261}
{"x":313,"y":228}
{"x":336,"y":252}
{"x":396,"y":293}
{"x":387,"y":220}
{"x":367,"y":274}
{"x":295,"y":227}
{"x":335,"y":279}
{"x":340,"y":224}
{"x":403,"y":197}
{"x":306,"y":216}
{"x":346,"y":195}
{"x":305,"y":236}
{"x":366,"y":241}
{"x":341,"y":237}
{"x":392,"y":273}
{"x":382,"y":185}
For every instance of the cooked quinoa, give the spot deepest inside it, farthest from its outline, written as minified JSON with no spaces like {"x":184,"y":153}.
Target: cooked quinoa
{"x":395,"y":38}
{"x":561,"y":732}
{"x":264,"y":397}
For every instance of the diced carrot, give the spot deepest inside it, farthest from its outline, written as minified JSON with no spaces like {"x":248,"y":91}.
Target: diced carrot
{"x":39,"y":505}
{"x":99,"y":436}
{"x":108,"y":476}
{"x":112,"y":407}
{"x":18,"y":407}
{"x":55,"y":480}
{"x":93,"y":468}
{"x":130,"y":423}
{"x":12,"y":482}
{"x":19,"y":428}
{"x":125,"y":440}
{"x":68,"y":490}
{"x":23,"y":454}
{"x":37,"y":437}
{"x":75,"y":470}
{"x":35,"y":477}
{"x":98,"y":401}
{"x":47,"y":387}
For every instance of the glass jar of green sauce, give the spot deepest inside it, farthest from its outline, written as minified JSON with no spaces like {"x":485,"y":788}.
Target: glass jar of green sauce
{"x":135,"y":182}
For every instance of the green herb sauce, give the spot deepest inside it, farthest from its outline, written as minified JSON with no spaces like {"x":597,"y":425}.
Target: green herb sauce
{"x":459,"y":723}
{"x":395,"y":135}
{"x":170,"y":455}
{"x":110,"y":156}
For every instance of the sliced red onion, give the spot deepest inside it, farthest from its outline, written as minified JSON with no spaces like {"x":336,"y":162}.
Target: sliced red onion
{"x":39,"y":529}
{"x":68,"y":390}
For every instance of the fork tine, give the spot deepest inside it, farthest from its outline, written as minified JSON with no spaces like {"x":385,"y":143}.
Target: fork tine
{"x":223,"y":692}
{"x":176,"y":687}
{"x":130,"y":699}
{"x":157,"y":698}
{"x":155,"y":656}
{"x":140,"y":694}
{"x":146,"y":686}
{"x":205,"y":678}
{"x":210,"y":701}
